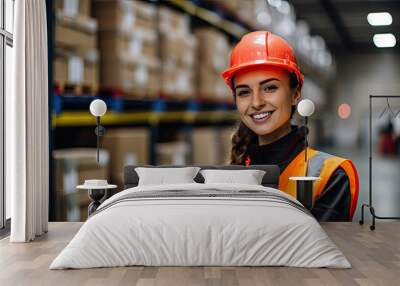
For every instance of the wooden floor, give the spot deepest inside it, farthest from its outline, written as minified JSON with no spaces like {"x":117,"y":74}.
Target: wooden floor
{"x":374,"y":255}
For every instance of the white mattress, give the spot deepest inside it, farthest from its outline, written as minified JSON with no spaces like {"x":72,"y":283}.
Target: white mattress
{"x":189,"y":231}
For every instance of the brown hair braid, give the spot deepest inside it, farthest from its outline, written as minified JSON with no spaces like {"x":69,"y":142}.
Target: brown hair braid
{"x":244,"y":136}
{"x":241,"y":139}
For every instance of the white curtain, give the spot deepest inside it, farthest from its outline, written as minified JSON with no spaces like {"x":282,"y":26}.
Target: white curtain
{"x":27,"y":124}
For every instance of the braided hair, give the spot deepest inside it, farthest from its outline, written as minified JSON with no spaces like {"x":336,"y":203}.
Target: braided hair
{"x":244,"y":136}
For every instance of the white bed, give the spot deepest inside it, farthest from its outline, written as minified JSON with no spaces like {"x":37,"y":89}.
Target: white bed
{"x":249,"y":225}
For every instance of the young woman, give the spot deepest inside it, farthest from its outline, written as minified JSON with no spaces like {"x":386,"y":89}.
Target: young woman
{"x":266,"y":84}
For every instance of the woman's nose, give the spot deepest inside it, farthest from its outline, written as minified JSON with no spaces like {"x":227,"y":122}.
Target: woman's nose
{"x":257,"y":100}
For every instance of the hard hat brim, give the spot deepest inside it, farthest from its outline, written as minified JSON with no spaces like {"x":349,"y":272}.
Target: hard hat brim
{"x":287,"y":65}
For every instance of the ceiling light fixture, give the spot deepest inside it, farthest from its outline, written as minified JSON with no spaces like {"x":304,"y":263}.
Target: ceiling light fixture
{"x":379,"y":19}
{"x":384,"y":40}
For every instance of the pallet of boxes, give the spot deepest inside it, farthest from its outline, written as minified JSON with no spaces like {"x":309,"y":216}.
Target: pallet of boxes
{"x":126,"y":146}
{"x":178,"y":49}
{"x":213,"y":55}
{"x":76,"y":61}
{"x":128,"y":47}
{"x":212,"y":145}
{"x":72,"y":166}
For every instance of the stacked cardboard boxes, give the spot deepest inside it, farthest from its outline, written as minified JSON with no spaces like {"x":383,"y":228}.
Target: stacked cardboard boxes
{"x":74,"y":8}
{"x":178,"y":54}
{"x":214,"y":50}
{"x":126,"y":146}
{"x":72,"y":168}
{"x":212,"y":145}
{"x":205,"y":146}
{"x":255,"y":13}
{"x":76,"y":55}
{"x":128,"y":47}
{"x":247,"y":12}
{"x":260,"y":14}
{"x":173,"y":153}
{"x":225,"y":144}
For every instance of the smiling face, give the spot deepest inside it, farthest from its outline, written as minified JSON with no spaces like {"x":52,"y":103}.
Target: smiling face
{"x":264,"y":100}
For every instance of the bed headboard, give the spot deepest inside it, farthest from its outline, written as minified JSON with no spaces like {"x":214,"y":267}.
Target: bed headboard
{"x":270,"y":179}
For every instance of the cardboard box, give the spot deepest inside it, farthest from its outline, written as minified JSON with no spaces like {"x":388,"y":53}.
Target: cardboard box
{"x":127,"y":146}
{"x":135,"y":79}
{"x":74,"y":8}
{"x":145,"y":11}
{"x":172,"y":153}
{"x":72,"y":167}
{"x":119,"y":75}
{"x":172,"y":20}
{"x":225,"y":144}
{"x":178,"y":61}
{"x":178,"y":83}
{"x":223,"y":92}
{"x":129,"y":50}
{"x":138,"y":47}
{"x":212,"y":87}
{"x":60,"y":73}
{"x":76,"y":70}
{"x":212,"y":145}
{"x":179,"y":51}
{"x":125,"y":16}
{"x":205,"y":146}
{"x":249,"y":9}
{"x":214,"y":49}
{"x":75,"y":39}
{"x":86,"y":78}
{"x":206,"y":85}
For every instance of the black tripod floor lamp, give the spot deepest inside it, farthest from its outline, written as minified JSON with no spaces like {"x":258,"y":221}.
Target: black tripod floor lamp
{"x":369,"y":205}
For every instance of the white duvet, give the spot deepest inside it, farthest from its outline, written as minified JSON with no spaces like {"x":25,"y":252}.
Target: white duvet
{"x":183,"y":231}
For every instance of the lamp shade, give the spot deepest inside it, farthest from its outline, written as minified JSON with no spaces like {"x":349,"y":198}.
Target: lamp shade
{"x":98,"y":107}
{"x":305,"y":107}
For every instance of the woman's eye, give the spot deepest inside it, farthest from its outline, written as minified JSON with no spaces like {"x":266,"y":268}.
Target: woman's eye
{"x":270,"y":88}
{"x":243,"y":92}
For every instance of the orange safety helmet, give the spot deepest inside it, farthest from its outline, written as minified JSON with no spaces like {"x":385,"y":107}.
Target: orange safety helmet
{"x":262,"y":48}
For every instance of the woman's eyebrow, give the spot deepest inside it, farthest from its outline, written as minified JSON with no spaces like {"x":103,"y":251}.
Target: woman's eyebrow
{"x":267,"y":80}
{"x":260,"y":83}
{"x":241,"y":85}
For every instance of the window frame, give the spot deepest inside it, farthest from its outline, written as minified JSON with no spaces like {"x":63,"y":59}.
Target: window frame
{"x":6,"y":39}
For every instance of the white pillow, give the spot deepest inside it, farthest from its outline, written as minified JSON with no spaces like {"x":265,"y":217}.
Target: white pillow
{"x":249,"y":177}
{"x":162,"y":176}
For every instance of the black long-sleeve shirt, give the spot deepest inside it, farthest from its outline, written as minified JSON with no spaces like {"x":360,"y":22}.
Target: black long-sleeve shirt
{"x":333,"y":204}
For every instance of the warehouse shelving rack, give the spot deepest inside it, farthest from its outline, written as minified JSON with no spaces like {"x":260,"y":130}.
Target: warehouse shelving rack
{"x":230,"y":22}
{"x":69,"y":111}
{"x":213,"y":14}
{"x":50,"y":18}
{"x":82,"y":118}
{"x":215,"y":19}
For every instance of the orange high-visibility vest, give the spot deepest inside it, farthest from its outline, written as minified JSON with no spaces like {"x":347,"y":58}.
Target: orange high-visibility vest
{"x":319,"y":164}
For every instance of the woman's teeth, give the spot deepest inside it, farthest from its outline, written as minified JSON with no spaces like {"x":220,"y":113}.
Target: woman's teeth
{"x":261,"y":115}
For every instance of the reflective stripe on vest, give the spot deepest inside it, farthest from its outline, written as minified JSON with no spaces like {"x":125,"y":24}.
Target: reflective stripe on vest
{"x":314,"y":165}
{"x":321,"y":165}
